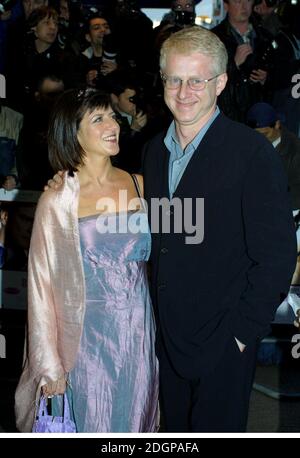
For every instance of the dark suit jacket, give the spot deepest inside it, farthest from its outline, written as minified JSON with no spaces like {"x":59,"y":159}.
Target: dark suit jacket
{"x":231,"y":283}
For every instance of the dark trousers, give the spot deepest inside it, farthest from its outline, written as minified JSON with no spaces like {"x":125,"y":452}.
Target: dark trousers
{"x":217,"y":402}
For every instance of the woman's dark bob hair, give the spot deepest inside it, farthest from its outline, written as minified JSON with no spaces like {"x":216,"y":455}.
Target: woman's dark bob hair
{"x":65,"y":152}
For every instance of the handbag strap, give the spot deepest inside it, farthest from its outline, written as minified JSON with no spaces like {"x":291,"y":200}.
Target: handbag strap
{"x":44,"y":411}
{"x":42,"y":407}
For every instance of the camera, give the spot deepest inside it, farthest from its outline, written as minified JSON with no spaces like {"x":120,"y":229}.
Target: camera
{"x":184,"y":18}
{"x":127,"y":7}
{"x":109,"y":45}
{"x":139,"y":102}
{"x":261,"y":59}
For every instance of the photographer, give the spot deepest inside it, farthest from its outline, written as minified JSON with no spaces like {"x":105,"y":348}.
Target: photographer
{"x":182,"y":13}
{"x":98,"y":59}
{"x":133,"y":33}
{"x":282,"y":19}
{"x":267,"y":14}
{"x":250,"y":61}
{"x":130,"y":109}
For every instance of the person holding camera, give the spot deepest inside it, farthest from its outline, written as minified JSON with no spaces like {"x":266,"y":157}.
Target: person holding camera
{"x":181,"y":14}
{"x":132,"y":118}
{"x":250,"y":58}
{"x":267,"y":13}
{"x":98,"y":59}
{"x":133,"y":32}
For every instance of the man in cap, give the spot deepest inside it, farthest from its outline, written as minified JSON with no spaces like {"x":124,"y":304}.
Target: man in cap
{"x":264,"y":118}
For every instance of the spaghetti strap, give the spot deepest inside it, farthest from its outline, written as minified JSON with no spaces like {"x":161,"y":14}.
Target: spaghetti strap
{"x":138,"y":190}
{"x":136,"y":185}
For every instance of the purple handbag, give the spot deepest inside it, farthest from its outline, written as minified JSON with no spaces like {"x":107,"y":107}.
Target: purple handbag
{"x":45,"y":423}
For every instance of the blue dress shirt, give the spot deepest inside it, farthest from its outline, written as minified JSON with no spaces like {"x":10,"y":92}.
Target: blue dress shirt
{"x":180,"y":158}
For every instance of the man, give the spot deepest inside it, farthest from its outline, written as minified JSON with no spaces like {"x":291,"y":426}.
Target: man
{"x":267,"y":10}
{"x":133,"y":32}
{"x":281,"y":20}
{"x":213,"y":299}
{"x":97,"y":29}
{"x":182,"y":13}
{"x":132,"y":119}
{"x":39,"y":56}
{"x":89,"y":67}
{"x":264,"y":118}
{"x":250,"y":57}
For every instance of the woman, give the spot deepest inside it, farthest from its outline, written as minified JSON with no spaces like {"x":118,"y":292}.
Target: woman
{"x":90,"y":322}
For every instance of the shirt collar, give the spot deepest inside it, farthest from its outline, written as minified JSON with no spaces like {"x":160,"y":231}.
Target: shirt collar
{"x":171,"y":136}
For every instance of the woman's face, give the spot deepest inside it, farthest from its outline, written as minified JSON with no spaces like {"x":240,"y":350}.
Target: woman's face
{"x":98,"y":133}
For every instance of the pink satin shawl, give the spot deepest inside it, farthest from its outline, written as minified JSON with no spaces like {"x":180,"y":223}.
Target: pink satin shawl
{"x":56,"y":297}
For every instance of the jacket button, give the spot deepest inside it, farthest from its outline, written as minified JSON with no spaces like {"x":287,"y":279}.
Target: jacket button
{"x":164,"y":250}
{"x":169,"y":212}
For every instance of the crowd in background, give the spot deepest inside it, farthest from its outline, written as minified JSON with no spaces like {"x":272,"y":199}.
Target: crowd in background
{"x":47,"y":46}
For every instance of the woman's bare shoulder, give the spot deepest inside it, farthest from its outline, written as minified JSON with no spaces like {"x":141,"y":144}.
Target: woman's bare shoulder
{"x":126,"y":177}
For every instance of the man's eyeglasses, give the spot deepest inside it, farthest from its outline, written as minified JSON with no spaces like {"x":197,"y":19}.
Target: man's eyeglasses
{"x":196,"y":84}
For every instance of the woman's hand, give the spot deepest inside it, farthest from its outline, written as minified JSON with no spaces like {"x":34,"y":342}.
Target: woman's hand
{"x":56,"y":181}
{"x":297,"y":320}
{"x":53,"y":388}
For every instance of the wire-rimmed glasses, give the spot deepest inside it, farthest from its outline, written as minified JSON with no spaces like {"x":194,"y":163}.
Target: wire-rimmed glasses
{"x":196,"y":84}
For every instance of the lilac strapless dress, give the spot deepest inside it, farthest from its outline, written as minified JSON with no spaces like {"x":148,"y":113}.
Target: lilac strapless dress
{"x":114,"y":384}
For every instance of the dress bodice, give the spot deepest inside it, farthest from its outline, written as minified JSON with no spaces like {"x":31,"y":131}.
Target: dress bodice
{"x":114,"y":250}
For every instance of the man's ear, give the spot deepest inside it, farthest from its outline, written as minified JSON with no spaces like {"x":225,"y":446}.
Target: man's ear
{"x":88,"y":37}
{"x":225,"y":6}
{"x":277,"y":125}
{"x":221,"y":83}
{"x":33,"y":29}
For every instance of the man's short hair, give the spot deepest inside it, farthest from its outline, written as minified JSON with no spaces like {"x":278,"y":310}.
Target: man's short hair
{"x":90,"y":18}
{"x":118,"y":81}
{"x":196,"y":39}
{"x":50,"y":77}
